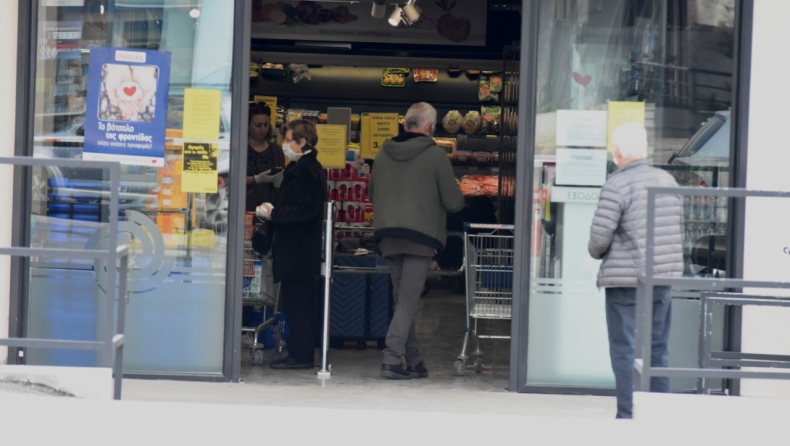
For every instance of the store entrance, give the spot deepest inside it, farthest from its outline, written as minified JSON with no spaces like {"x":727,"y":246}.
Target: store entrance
{"x":367,"y":97}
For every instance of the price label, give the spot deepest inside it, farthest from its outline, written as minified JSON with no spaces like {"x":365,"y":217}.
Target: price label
{"x":331,"y":145}
{"x":378,"y":128}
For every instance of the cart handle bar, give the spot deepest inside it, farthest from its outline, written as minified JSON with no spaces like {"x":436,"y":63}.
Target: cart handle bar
{"x":468,"y":226}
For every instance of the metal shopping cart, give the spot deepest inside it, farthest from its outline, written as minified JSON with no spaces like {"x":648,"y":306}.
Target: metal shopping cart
{"x":260,"y":291}
{"x":488,"y":262}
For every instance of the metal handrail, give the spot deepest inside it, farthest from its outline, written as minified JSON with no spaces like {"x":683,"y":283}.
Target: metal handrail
{"x":117,"y":258}
{"x":647,"y":280}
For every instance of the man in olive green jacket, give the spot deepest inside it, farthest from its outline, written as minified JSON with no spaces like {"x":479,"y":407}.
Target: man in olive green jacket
{"x":412,"y":188}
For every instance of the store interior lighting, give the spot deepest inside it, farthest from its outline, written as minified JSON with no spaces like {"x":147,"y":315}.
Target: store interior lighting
{"x":194,"y":13}
{"x":396,"y":16}
{"x":410,"y":13}
{"x":379,"y":9}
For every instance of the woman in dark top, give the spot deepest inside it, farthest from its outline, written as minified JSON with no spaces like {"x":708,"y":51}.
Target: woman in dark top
{"x":262,"y":156}
{"x":296,"y":215}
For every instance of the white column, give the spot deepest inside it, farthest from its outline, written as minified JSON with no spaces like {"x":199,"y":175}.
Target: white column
{"x":8,"y":40}
{"x":767,"y":330}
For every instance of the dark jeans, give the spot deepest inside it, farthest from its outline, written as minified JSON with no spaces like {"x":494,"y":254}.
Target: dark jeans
{"x":297,"y":298}
{"x":620,"y":320}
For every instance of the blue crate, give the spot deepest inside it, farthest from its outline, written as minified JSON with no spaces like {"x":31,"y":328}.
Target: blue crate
{"x":497,"y":277}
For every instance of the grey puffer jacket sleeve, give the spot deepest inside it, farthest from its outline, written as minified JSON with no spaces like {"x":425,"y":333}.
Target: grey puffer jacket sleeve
{"x":618,"y":233}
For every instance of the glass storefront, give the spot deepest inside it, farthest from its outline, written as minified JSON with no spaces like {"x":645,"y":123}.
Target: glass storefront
{"x":667,"y":65}
{"x":177,"y":235}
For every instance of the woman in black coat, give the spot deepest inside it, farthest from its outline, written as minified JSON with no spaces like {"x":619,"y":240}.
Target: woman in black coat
{"x":297,"y":216}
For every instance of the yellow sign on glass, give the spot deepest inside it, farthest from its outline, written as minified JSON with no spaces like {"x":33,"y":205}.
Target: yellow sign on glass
{"x":377,"y":128}
{"x":271,"y":101}
{"x":623,"y":113}
{"x":331,"y":145}
{"x":200,"y":167}
{"x":201,"y":114}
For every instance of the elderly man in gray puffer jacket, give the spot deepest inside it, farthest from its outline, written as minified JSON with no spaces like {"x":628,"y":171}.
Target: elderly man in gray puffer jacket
{"x":618,"y":237}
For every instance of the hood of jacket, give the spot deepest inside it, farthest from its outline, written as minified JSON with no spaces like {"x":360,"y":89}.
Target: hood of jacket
{"x":407,"y":146}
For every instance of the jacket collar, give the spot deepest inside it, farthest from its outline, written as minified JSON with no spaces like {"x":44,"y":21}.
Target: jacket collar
{"x":632,"y":165}
{"x":304,"y":160}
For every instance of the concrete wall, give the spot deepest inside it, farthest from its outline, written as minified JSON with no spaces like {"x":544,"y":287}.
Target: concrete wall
{"x":8,"y":38}
{"x":767,"y":330}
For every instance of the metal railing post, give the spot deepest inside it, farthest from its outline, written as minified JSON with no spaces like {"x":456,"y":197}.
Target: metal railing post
{"x":329,"y":237}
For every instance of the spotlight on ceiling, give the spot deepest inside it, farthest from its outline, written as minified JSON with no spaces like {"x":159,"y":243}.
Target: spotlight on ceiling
{"x":396,"y":17}
{"x":194,"y":13}
{"x":379,"y":9}
{"x":410,"y":13}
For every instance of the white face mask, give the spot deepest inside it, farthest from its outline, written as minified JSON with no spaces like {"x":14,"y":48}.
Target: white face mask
{"x":293,"y":156}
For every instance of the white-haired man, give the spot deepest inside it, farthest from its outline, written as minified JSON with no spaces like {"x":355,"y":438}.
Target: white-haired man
{"x":618,"y":237}
{"x":412,"y":188}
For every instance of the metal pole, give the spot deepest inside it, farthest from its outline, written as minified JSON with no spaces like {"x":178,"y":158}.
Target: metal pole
{"x":329,"y":232}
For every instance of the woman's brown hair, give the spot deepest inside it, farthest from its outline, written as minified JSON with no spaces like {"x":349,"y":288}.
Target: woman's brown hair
{"x":302,"y":128}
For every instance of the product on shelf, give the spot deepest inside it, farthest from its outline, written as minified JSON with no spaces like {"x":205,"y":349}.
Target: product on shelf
{"x":448,"y":144}
{"x":394,"y":77}
{"x":495,"y":81}
{"x":293,"y":115}
{"x":452,"y":121}
{"x":472,"y":123}
{"x":426,"y":75}
{"x":485,"y":92}
{"x":478,"y":184}
{"x":491,"y":117}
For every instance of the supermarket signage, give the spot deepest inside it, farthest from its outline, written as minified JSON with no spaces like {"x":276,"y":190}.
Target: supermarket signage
{"x":200,"y":167}
{"x":378,"y":128}
{"x":332,"y":140}
{"x":581,"y":167}
{"x":126,"y":106}
{"x":581,"y":128}
{"x":581,"y":195}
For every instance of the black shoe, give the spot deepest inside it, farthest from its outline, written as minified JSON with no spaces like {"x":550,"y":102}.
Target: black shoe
{"x":394,"y":372}
{"x":291,"y":364}
{"x":417,"y":371}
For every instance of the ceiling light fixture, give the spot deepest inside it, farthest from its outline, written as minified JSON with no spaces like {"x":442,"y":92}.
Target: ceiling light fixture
{"x":396,"y":17}
{"x":410,"y":13}
{"x":194,"y":13}
{"x":379,"y":9}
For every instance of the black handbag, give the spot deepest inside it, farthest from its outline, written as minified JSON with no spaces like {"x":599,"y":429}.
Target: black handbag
{"x":262,"y":237}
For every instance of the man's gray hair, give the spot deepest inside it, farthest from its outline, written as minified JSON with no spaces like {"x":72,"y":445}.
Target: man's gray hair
{"x":418,"y":115}
{"x":631,"y":140}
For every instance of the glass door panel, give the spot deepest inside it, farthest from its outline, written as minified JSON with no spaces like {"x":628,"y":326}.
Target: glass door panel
{"x":601,"y":63}
{"x":178,"y":238}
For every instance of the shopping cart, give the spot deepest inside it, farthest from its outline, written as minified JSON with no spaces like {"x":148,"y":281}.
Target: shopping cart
{"x":488,"y":264}
{"x":259,"y":291}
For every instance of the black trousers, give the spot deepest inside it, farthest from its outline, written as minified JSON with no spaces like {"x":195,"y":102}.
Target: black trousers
{"x":297,"y":298}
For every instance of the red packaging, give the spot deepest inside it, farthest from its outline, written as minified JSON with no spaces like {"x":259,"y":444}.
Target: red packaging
{"x":360,"y":191}
{"x":343,"y":188}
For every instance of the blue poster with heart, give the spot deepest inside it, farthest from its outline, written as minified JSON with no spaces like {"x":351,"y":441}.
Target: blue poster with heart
{"x":126,"y":106}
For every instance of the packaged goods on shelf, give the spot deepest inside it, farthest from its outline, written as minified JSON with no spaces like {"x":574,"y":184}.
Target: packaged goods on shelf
{"x":426,"y":75}
{"x":490,"y":117}
{"x":472,"y":123}
{"x":478,"y":184}
{"x":452,"y":121}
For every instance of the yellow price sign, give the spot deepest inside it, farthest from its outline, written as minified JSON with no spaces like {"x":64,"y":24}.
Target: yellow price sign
{"x":332,"y":145}
{"x":377,"y":128}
